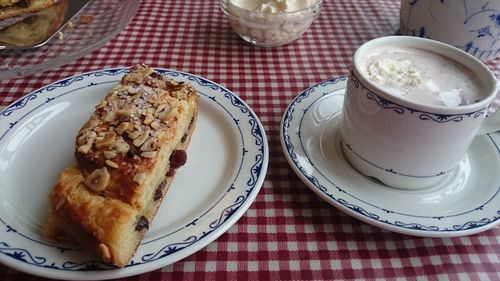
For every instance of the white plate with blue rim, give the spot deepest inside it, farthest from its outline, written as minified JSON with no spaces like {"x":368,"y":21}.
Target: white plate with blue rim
{"x":465,"y":203}
{"x":227,"y":163}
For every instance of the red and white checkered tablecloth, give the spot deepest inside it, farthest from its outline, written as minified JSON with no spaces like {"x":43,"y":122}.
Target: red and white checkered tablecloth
{"x":288,"y":233}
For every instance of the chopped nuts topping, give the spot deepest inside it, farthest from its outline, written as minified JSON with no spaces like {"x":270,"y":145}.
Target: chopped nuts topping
{"x":109,"y":116}
{"x":169,"y":115}
{"x":98,"y":179}
{"x":155,"y":125}
{"x":139,"y":178}
{"x":109,"y":154}
{"x":153,"y":99}
{"x":124,"y":112}
{"x":121,"y":146}
{"x":181,"y":94}
{"x":122,"y":127}
{"x":128,"y":122}
{"x":148,"y":119}
{"x":149,"y":145}
{"x":86,"y":141}
{"x":142,"y":138}
{"x":133,"y":135}
{"x":111,"y":164}
{"x":106,"y":141}
{"x":162,"y":107}
{"x":149,"y":154}
{"x":104,"y":252}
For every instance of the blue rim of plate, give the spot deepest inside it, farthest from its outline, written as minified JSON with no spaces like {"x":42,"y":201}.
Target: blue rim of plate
{"x":255,"y":154}
{"x":312,"y":95}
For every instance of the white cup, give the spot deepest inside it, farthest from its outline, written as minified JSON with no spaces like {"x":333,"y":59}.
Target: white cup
{"x":407,"y":144}
{"x":470,"y":25}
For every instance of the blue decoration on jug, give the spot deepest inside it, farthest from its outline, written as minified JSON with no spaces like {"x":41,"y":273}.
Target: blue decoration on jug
{"x":489,"y":29}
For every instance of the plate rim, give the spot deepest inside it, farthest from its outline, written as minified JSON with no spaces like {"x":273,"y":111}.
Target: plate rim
{"x":257,"y":172}
{"x":326,"y":88}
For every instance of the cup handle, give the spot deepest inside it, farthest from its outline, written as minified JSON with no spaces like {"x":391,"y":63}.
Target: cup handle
{"x":492,"y":122}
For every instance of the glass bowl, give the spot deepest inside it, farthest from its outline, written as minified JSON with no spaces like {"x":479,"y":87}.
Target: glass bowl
{"x":268,"y":29}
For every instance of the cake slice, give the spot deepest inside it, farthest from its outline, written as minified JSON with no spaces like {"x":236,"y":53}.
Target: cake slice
{"x":10,"y":9}
{"x":6,"y":3}
{"x":35,"y":28}
{"x":127,"y":154}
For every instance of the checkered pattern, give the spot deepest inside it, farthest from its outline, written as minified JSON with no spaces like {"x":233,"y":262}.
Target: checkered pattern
{"x":288,"y":233}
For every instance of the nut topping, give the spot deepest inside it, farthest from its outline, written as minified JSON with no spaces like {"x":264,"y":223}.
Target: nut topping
{"x":86,"y":142}
{"x":109,"y":116}
{"x":121,"y":146}
{"x":153,"y":99}
{"x":133,"y":135}
{"x":108,"y":154}
{"x":111,"y":164}
{"x":124,"y":112}
{"x":149,"y":145}
{"x":139,"y":178}
{"x":122,"y":127}
{"x":155,"y":125}
{"x":98,"y":179}
{"x":171,"y":114}
{"x":149,"y":154}
{"x":142,"y":138}
{"x":104,"y":252}
{"x":106,"y":141}
{"x":148,"y":119}
{"x":162,"y":107}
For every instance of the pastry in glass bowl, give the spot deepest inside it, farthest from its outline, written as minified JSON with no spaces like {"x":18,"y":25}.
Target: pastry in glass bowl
{"x":33,"y":28}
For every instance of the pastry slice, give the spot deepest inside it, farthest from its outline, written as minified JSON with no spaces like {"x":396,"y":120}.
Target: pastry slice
{"x":36,"y":27}
{"x":23,"y":7}
{"x":127,"y":154}
{"x":6,"y":3}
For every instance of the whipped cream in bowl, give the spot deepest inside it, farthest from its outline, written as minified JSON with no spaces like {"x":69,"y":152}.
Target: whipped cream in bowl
{"x":270,"y":23}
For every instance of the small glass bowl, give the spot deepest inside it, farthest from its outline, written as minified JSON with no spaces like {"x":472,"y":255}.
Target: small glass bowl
{"x":269,"y":29}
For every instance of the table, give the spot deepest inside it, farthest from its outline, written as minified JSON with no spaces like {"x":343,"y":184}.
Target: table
{"x":288,"y":233}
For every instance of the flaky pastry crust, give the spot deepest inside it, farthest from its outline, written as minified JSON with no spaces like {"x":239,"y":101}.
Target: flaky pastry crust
{"x":127,"y":154}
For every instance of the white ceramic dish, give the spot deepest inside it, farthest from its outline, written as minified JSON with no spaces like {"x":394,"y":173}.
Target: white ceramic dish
{"x":227,"y":163}
{"x":466,"y":202}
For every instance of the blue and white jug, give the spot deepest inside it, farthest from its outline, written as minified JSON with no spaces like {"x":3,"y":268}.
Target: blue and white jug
{"x":471,"y":25}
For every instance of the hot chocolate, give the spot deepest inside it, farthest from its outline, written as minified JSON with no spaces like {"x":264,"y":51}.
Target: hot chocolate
{"x":421,"y":76}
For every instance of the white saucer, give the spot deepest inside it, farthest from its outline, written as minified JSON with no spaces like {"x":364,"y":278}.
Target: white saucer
{"x":466,"y":202}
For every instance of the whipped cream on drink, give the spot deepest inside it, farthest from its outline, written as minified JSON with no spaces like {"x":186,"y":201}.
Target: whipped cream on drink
{"x":421,"y":76}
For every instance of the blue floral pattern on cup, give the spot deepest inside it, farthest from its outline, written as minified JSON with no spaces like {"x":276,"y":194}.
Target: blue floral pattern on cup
{"x":470,"y":25}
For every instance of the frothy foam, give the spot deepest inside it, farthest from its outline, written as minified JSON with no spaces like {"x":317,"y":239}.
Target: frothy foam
{"x":421,"y":76}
